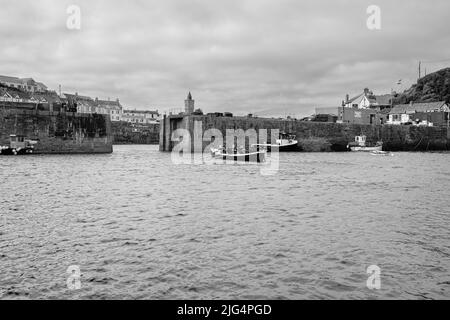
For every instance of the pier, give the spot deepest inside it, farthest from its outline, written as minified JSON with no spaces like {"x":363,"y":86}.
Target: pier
{"x":311,"y":136}
{"x":58,"y":132}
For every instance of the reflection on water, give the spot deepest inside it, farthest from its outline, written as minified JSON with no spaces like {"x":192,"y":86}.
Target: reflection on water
{"x":140,"y":227}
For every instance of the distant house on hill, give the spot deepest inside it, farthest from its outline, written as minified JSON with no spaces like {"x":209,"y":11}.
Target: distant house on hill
{"x":25,"y":84}
{"x":85,"y":104}
{"x":80,"y":104}
{"x":47,"y":101}
{"x":367,"y":100}
{"x":11,"y":94}
{"x":113,"y":108}
{"x":51,"y":100}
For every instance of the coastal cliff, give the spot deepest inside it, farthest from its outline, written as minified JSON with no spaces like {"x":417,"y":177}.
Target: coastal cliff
{"x":433,"y":87}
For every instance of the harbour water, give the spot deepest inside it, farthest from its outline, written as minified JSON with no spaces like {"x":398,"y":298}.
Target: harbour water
{"x":140,"y":227}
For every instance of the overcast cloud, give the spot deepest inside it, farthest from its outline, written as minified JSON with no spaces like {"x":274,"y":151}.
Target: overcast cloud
{"x":274,"y":57}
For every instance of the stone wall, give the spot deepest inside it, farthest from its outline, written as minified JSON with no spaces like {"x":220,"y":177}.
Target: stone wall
{"x":57,"y":132}
{"x":126,"y":133}
{"x":315,"y":136}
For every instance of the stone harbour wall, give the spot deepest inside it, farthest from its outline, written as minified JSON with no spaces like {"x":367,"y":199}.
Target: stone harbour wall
{"x":315,"y":136}
{"x":58,"y":132}
{"x":126,"y":133}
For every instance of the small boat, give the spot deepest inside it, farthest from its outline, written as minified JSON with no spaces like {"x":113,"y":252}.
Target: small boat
{"x":360,"y":145}
{"x":256,"y":156}
{"x":18,"y":145}
{"x":382,"y":153}
{"x":285,"y":143}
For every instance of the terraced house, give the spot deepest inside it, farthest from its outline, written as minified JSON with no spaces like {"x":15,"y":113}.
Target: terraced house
{"x":426,"y":113}
{"x":113,"y":108}
{"x":85,"y":104}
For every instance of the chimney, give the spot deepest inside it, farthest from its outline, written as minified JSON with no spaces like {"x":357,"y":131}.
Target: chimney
{"x":366,"y":91}
{"x":347,"y":98}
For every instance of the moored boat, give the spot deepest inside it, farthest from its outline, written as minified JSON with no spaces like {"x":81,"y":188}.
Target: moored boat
{"x":18,"y":145}
{"x":285,"y":143}
{"x":256,"y":156}
{"x":360,"y":145}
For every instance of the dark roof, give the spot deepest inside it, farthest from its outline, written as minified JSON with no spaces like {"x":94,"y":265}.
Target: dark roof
{"x":41,"y":84}
{"x":78,"y":97}
{"x":14,"y":92}
{"x":384,"y":100}
{"x":51,"y":97}
{"x":141,"y":111}
{"x":109,"y":103}
{"x":354,"y":98}
{"x":418,"y":107}
{"x":22,"y":81}
{"x":381,"y":100}
{"x":10,"y":79}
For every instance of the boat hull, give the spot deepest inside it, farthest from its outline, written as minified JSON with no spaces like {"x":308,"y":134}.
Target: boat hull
{"x":382,"y":153}
{"x":291,"y":147}
{"x":366,"y":149}
{"x":256,"y":157}
{"x":14,"y":152}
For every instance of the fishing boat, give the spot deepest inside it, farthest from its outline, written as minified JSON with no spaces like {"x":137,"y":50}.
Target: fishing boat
{"x":239,"y":156}
{"x":285,"y":143}
{"x":360,"y":145}
{"x":18,"y":145}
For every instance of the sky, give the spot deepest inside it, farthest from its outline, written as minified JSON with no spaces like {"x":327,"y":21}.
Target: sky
{"x":266,"y":57}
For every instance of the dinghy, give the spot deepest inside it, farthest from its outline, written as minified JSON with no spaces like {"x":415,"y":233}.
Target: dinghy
{"x":257,"y":156}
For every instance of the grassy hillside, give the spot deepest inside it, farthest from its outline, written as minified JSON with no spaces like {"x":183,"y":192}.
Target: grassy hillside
{"x":433,"y":87}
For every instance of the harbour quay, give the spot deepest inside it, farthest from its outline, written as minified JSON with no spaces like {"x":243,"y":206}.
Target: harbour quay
{"x":311,"y":136}
{"x":57,"y":132}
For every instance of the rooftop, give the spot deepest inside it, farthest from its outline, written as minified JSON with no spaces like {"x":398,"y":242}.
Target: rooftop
{"x":419,"y":107}
{"x":141,"y":111}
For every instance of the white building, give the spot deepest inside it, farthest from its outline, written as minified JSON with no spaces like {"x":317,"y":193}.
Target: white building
{"x":367,"y":100}
{"x":113,"y":108}
{"x":85,"y":104}
{"x":141,"y":116}
{"x":402,"y":113}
